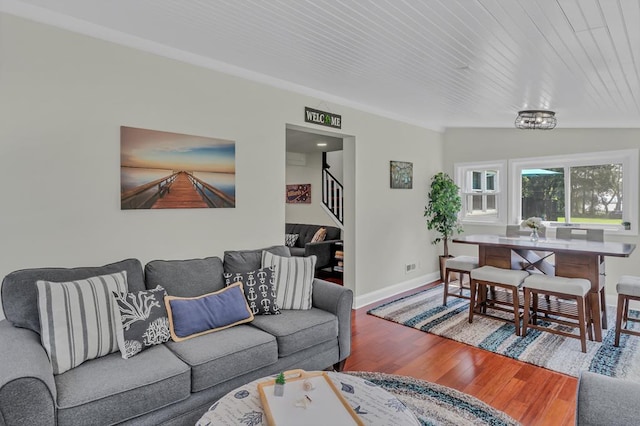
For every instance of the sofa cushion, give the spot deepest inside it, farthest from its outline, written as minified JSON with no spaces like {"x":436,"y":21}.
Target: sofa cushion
{"x":110,"y":389}
{"x":297,"y":251}
{"x":294,"y":279}
{"x":20,"y":295}
{"x":298,"y":330}
{"x":250,"y":260}
{"x":217,"y":357}
{"x":78,"y":319}
{"x":185,"y":278}
{"x":259,"y":289}
{"x":143,"y":321}
{"x":194,"y":316}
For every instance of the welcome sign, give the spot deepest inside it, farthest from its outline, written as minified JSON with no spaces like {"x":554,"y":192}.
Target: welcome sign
{"x":322,"y":118}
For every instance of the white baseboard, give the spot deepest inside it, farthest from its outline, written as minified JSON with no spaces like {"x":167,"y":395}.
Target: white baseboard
{"x":377,"y":295}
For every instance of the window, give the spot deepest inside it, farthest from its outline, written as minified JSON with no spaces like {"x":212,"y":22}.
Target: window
{"x":483,"y":191}
{"x":593,"y":189}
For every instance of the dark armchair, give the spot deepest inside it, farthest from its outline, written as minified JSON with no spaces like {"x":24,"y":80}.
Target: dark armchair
{"x":304,"y":247}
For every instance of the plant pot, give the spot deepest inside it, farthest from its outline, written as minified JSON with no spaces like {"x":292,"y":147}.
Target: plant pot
{"x":278,"y":389}
{"x":443,"y":261}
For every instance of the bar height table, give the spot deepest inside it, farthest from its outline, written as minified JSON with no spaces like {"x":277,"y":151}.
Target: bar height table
{"x":573,"y":259}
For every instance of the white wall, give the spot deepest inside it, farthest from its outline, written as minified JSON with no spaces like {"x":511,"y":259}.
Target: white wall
{"x":311,"y":173}
{"x":466,"y":145}
{"x":63,"y":99}
{"x":390,"y":226}
{"x":335,"y":160}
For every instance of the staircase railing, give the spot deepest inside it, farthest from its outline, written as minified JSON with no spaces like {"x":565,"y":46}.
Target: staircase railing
{"x":333,"y":195}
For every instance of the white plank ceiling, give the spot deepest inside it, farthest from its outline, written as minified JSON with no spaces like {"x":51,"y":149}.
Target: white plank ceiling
{"x":436,"y":63}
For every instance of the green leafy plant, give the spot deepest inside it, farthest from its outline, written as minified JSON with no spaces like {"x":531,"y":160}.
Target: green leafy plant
{"x":280,"y":379}
{"x":443,"y":208}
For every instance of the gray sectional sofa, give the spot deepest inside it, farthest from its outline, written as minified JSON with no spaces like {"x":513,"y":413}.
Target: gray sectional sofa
{"x":168,"y":384}
{"x":304,"y":247}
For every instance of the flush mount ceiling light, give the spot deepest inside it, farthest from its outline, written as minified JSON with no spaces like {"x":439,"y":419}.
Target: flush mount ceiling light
{"x":536,"y":119}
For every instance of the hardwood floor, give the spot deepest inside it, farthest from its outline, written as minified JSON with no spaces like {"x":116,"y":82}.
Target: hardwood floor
{"x":531,"y":395}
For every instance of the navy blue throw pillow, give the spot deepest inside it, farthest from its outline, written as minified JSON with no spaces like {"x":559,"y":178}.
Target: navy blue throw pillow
{"x":195,"y":316}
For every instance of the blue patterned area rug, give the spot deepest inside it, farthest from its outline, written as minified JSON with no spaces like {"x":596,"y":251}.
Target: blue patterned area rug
{"x":424,"y":311}
{"x":435,"y":404}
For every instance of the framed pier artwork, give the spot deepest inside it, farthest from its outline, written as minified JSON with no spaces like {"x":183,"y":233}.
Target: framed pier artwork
{"x":163,"y":170}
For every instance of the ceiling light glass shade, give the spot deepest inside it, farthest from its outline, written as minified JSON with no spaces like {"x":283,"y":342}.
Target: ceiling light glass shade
{"x":536,"y":119}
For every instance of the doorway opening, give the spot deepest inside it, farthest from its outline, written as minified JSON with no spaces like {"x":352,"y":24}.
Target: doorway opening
{"x":324,"y":161}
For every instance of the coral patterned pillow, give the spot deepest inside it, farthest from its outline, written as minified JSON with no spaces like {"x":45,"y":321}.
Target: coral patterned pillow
{"x":143,"y":321}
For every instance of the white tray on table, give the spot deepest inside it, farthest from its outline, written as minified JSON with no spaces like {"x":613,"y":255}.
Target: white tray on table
{"x":326,"y":405}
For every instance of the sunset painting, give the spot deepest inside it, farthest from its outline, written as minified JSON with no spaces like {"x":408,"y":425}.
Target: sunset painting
{"x":162,"y":170}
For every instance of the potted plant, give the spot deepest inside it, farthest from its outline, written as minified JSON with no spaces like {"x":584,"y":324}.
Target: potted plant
{"x":442,"y":212}
{"x":626,"y":225}
{"x":278,"y":387}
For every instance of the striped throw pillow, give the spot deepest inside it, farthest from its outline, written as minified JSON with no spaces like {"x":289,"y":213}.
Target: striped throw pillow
{"x":294,"y":279}
{"x":78,"y":319}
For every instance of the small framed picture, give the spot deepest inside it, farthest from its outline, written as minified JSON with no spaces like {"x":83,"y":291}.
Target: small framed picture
{"x":401,"y":175}
{"x":299,"y":193}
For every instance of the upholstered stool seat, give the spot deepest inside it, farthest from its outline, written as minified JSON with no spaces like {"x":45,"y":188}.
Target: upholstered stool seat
{"x":628,"y":289}
{"x":557,"y":311}
{"x":463,"y":265}
{"x":509,"y":280}
{"x":500,"y":276}
{"x":629,"y":285}
{"x":571,"y":286}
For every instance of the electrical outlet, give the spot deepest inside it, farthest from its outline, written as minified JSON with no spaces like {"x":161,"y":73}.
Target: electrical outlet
{"x":409,"y":267}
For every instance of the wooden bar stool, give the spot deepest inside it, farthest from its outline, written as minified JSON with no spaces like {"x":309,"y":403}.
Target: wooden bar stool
{"x":628,"y":289}
{"x":463,"y":265}
{"x":508,"y":300}
{"x":558,"y":311}
{"x":571,"y":233}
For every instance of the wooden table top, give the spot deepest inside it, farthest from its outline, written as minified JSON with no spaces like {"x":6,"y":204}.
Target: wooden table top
{"x":602,"y":248}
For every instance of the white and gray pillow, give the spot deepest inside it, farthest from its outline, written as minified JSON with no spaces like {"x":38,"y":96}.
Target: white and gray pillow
{"x":78,"y":319}
{"x":294,"y":279}
{"x":143,"y":321}
{"x":290,"y":239}
{"x":259,"y":289}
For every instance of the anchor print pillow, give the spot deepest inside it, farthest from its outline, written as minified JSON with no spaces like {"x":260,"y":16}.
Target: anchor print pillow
{"x":259,"y":289}
{"x":143,"y":321}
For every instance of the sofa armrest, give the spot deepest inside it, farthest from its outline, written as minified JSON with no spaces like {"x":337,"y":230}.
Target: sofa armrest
{"x":322,"y":250}
{"x":604,"y":400}
{"x":27,"y":388}
{"x":338,"y":300}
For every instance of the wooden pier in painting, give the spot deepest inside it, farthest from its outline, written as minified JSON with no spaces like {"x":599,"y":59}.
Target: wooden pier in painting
{"x":180,"y":190}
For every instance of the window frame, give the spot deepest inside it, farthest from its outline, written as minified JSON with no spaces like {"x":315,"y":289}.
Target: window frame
{"x":628,"y":158}
{"x":462,"y":170}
